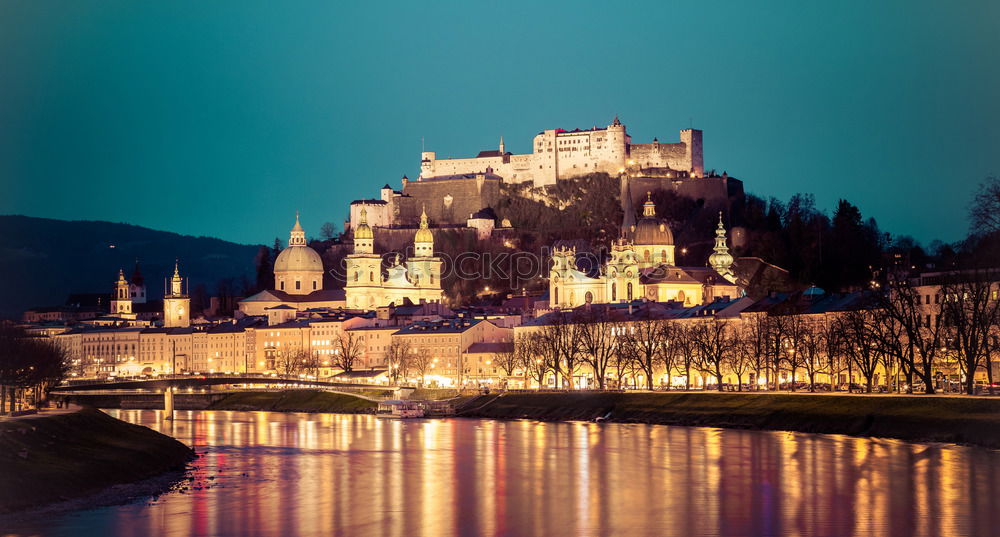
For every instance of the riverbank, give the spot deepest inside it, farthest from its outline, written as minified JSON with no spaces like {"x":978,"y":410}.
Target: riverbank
{"x":47,"y":459}
{"x":294,"y":401}
{"x":912,"y":418}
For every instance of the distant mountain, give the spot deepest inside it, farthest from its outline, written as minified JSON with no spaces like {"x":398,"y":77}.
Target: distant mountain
{"x":43,"y":260}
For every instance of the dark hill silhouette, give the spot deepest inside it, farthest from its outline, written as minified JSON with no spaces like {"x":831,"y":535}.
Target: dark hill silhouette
{"x":44,"y":260}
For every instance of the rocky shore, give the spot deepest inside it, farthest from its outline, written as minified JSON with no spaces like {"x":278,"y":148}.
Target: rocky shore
{"x":77,"y":455}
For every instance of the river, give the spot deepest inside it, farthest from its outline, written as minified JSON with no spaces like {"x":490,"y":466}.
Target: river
{"x":276,"y":474}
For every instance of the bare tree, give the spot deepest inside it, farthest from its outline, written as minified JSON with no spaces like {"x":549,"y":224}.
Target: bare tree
{"x":597,"y":341}
{"x":28,"y":365}
{"x":971,"y":312}
{"x":861,"y":344}
{"x":714,"y":342}
{"x":328,"y":230}
{"x":642,"y":342}
{"x":508,"y":362}
{"x":754,"y":338}
{"x":833,"y":349}
{"x":309,"y":363}
{"x":559,"y":341}
{"x":529,"y":349}
{"x":349,"y":349}
{"x":919,"y":320}
{"x":420,"y":361}
{"x":289,"y":362}
{"x":811,"y":346}
{"x":397,"y":357}
{"x":792,"y":333}
{"x":683,"y":341}
{"x":984,"y":212}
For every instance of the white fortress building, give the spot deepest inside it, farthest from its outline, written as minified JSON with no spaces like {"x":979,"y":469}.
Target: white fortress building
{"x":561,"y":154}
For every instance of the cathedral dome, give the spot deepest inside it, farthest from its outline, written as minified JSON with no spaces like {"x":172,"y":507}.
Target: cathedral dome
{"x":298,"y":259}
{"x":652,"y":231}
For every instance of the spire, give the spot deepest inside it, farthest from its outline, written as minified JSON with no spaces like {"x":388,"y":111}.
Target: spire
{"x":297,"y":237}
{"x":721,"y":260}
{"x":649,"y":208}
{"x":121,"y":277}
{"x":424,"y":234}
{"x":616,"y":123}
{"x":628,"y":219}
{"x":502,"y":148}
{"x":176,"y":280}
{"x":363,"y":231}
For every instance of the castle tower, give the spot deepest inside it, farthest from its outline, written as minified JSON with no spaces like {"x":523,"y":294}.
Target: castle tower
{"x":364,"y":269}
{"x":503,"y":150}
{"x":693,"y":152}
{"x":721,"y":260}
{"x":176,"y":303}
{"x":617,"y":144}
{"x":121,"y":301}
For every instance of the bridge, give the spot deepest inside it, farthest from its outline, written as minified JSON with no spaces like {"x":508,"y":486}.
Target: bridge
{"x":168,"y":387}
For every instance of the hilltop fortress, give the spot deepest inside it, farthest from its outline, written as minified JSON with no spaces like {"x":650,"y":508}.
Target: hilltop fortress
{"x":458,"y":192}
{"x":561,"y":154}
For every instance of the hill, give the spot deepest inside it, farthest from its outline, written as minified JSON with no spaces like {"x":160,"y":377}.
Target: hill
{"x":43,"y":260}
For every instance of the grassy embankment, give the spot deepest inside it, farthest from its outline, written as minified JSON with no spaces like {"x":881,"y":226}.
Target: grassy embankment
{"x":66,"y":456}
{"x":294,"y":401}
{"x":913,"y":418}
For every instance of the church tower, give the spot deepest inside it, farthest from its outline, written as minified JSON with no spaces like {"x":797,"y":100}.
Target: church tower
{"x":721,"y":260}
{"x":364,"y":269}
{"x":424,"y":269}
{"x":121,"y":301}
{"x":176,"y":303}
{"x":503,"y":150}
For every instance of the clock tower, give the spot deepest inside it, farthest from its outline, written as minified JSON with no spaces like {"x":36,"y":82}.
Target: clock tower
{"x":176,"y":303}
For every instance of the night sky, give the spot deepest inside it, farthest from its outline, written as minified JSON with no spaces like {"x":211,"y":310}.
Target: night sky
{"x":223,"y":118}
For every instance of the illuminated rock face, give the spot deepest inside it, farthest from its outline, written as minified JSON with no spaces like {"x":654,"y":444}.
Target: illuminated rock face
{"x":418,"y":279}
{"x":560,"y":154}
{"x":298,"y":270}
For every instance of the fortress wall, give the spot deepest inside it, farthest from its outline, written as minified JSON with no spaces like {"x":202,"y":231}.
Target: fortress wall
{"x":713,"y":190}
{"x":467,"y":197}
{"x":401,"y":240}
{"x":673,"y":156}
{"x":455,"y":166}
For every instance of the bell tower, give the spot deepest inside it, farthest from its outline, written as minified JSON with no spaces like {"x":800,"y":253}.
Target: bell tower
{"x":121,"y":302}
{"x":176,"y":302}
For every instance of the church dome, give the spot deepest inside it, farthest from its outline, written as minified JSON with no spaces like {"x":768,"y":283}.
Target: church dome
{"x":298,"y":259}
{"x":650,"y":230}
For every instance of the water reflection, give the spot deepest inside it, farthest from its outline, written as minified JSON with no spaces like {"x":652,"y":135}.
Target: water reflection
{"x":297,"y":474}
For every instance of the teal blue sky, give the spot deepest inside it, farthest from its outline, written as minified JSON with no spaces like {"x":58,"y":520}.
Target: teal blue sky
{"x":223,"y":118}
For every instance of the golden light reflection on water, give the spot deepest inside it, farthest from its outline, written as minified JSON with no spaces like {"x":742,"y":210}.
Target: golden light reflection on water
{"x":300,"y":474}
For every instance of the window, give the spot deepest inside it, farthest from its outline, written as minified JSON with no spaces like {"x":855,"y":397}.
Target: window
{"x":371,"y":276}
{"x":282,"y":285}
{"x":614,"y":291}
{"x":630,"y":290}
{"x":314,"y":285}
{"x":298,"y":285}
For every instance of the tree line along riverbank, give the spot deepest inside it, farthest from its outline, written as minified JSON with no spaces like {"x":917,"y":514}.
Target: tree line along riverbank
{"x":962,"y":420}
{"x":51,"y":458}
